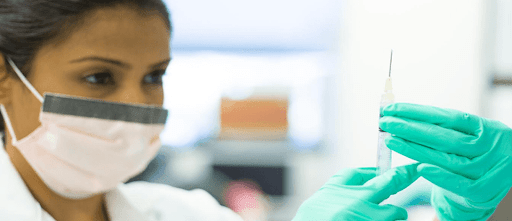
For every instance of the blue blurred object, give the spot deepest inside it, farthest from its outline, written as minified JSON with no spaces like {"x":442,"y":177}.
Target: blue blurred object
{"x":255,"y":25}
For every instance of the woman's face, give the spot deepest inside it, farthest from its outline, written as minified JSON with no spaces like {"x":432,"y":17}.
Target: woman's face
{"x":116,"y":55}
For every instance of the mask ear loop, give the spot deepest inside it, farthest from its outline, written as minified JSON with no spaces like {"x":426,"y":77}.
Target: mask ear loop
{"x":24,"y":80}
{"x":29,"y":86}
{"x":8,"y":123}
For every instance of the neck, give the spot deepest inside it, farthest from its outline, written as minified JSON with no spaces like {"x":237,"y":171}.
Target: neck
{"x":60,"y":208}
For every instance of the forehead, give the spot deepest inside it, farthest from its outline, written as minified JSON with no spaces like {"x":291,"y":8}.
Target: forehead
{"x":117,"y":32}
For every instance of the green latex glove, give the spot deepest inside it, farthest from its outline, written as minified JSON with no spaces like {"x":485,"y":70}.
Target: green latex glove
{"x":467,"y":157}
{"x":355,"y":194}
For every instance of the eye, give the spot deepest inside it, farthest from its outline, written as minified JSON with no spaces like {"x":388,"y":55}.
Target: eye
{"x":102,"y":78}
{"x":155,"y":77}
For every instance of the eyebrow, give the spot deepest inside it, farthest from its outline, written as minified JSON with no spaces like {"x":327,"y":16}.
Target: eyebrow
{"x":117,"y":62}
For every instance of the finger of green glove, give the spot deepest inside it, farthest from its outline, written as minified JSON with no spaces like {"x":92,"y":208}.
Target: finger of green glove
{"x":447,"y":118}
{"x":425,"y":154}
{"x":485,"y":191}
{"x":356,"y":176}
{"x":381,"y":187}
{"x":393,"y":213}
{"x":447,"y":180}
{"x":363,"y":210}
{"x":449,"y":206}
{"x":433,"y":136}
{"x":355,"y":209}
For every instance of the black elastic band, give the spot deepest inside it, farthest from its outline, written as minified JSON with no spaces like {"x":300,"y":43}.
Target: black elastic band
{"x":83,"y":107}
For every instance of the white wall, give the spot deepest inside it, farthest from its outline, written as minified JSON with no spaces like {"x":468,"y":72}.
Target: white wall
{"x":502,"y":38}
{"x":498,"y":102}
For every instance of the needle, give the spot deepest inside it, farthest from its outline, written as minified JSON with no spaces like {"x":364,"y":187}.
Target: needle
{"x":390,"y":62}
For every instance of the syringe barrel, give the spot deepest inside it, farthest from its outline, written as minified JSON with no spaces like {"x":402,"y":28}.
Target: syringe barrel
{"x":383,"y":152}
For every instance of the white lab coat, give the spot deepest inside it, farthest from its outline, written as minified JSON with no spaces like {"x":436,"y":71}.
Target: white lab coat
{"x":140,"y":201}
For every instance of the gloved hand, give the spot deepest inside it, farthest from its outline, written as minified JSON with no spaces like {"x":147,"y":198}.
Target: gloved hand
{"x":467,"y":157}
{"x":355,"y":194}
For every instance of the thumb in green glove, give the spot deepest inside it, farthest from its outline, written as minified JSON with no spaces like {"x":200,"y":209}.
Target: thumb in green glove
{"x":355,"y":194}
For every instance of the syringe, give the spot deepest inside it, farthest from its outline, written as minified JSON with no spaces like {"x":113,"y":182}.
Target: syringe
{"x":383,"y":152}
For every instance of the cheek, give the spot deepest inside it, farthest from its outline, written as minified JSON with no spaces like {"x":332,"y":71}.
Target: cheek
{"x":24,"y":112}
{"x":158,"y":96}
{"x":135,"y":93}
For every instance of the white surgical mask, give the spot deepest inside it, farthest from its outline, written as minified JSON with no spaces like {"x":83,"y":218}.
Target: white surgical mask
{"x":87,"y":146}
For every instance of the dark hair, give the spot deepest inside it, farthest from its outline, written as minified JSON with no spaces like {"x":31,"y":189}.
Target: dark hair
{"x":26,"y":25}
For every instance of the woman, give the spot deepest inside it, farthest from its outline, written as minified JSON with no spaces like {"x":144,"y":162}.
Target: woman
{"x":81,"y":98}
{"x":112,"y":51}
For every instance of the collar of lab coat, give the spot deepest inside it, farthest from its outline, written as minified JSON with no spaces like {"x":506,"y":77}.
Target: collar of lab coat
{"x":17,"y":203}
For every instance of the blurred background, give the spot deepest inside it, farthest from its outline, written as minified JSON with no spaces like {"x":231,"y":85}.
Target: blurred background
{"x":270,"y":98}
